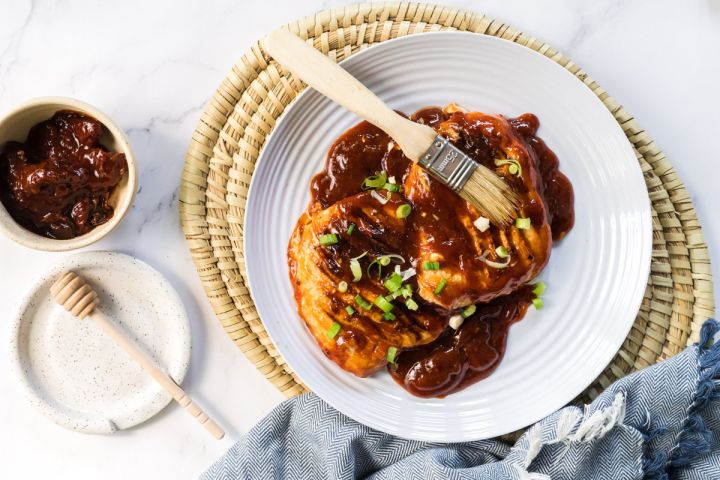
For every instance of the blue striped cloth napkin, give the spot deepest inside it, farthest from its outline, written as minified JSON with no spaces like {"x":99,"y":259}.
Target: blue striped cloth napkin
{"x":660,"y":423}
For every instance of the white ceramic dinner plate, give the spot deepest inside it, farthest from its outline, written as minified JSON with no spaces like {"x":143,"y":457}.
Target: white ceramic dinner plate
{"x":596,"y":276}
{"x":73,"y":372}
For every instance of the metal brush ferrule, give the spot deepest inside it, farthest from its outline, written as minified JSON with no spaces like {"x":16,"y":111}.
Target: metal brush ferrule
{"x":448,"y":164}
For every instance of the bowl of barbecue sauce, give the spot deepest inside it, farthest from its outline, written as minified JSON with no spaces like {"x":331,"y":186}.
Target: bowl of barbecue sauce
{"x":67,"y":174}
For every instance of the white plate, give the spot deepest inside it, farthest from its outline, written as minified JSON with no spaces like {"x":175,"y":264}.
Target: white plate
{"x":77,"y":375}
{"x":596,"y":276}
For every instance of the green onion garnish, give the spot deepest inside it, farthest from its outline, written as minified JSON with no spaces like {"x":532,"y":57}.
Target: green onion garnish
{"x":384,"y":261}
{"x":502,"y":252}
{"x":382,"y":302}
{"x":539,"y":289}
{"x":468,"y":311}
{"x":389,"y":316}
{"x":406,"y":290}
{"x":391,"y":187}
{"x":513,"y":165}
{"x":403,"y":211}
{"x":431,"y":265}
{"x":394,"y":294}
{"x":392,"y":352}
{"x":394,"y":283}
{"x":349,"y":310}
{"x":356,"y":269}
{"x":522,"y":223}
{"x":351,"y":229}
{"x":375,"y":181}
{"x":411,"y":304}
{"x":328,"y":239}
{"x":440,"y":286}
{"x":538,"y":303}
{"x":342,"y":287}
{"x":362,"y":302}
{"x":333,"y":330}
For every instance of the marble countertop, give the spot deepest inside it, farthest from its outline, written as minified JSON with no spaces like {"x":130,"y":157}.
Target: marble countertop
{"x":152,"y":66}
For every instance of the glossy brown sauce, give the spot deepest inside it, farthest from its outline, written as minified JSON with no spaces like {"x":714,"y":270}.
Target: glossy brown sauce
{"x":58,"y":182}
{"x":456,"y":358}
{"x":464,"y":356}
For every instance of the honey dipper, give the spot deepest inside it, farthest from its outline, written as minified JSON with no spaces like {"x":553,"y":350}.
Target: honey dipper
{"x":76,"y":296}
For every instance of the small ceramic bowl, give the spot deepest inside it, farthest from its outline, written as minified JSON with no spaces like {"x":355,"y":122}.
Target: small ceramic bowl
{"x":15,"y":125}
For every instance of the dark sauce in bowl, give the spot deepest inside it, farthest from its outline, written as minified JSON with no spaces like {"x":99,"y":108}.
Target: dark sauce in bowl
{"x":59,"y":182}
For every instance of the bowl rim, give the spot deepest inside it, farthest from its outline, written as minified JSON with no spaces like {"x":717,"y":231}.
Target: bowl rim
{"x":19,"y":234}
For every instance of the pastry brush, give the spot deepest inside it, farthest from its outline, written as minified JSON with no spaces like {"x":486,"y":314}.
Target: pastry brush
{"x":475,"y":183}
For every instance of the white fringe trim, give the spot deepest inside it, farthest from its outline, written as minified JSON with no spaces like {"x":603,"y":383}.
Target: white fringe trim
{"x":572,"y":426}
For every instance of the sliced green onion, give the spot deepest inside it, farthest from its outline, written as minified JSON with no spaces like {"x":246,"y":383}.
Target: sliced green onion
{"x":431,"y":265}
{"x":382,"y":302}
{"x":513,"y":165}
{"x":411,"y":304}
{"x":538,"y":303}
{"x":522,"y":223}
{"x":389,"y":316}
{"x":394,"y":283}
{"x":342,"y":287}
{"x":391,"y":354}
{"x":362,"y":302}
{"x":406,"y":291}
{"x":333,"y":330}
{"x":502,"y":252}
{"x":328,"y":239}
{"x":403,"y":211}
{"x":391,"y":187}
{"x":440,"y":286}
{"x":468,"y":311}
{"x":351,"y":229}
{"x":483,"y":258}
{"x":349,"y":310}
{"x":384,"y":261}
{"x":356,"y":269}
{"x":394,"y":295}
{"x":375,"y":181}
{"x":539,"y":289}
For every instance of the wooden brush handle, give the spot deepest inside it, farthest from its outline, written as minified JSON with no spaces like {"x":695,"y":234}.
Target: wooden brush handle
{"x":328,"y":78}
{"x":77,"y":297}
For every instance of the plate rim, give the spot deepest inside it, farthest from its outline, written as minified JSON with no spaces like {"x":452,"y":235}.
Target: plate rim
{"x":645,"y":223}
{"x":89,"y":424}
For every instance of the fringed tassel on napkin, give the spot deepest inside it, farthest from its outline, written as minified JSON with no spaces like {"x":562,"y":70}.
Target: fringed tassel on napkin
{"x":694,"y":437}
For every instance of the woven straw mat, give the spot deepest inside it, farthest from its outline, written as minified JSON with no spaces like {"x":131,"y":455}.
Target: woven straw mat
{"x":242,"y":113}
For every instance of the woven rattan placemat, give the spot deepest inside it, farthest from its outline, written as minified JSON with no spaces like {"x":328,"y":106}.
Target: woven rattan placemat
{"x":228,"y":139}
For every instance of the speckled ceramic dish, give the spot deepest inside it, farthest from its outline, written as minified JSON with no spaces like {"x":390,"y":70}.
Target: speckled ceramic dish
{"x":73,"y":372}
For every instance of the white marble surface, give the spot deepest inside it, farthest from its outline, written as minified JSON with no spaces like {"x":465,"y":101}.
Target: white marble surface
{"x":152,"y":66}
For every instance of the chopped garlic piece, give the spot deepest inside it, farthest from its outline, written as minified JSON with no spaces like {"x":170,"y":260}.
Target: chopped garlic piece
{"x":482,"y":223}
{"x":456,"y":321}
{"x":391,"y":180}
{"x":391,"y":145}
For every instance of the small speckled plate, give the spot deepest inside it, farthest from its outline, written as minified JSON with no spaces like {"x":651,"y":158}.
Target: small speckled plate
{"x":73,"y":372}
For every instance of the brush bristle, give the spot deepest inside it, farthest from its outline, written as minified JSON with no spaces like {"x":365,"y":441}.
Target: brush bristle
{"x":489,"y":193}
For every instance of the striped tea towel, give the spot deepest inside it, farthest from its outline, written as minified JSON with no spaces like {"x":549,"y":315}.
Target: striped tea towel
{"x":659,"y":423}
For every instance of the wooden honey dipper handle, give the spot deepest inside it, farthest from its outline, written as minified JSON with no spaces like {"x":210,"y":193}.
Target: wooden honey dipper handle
{"x":76,"y":296}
